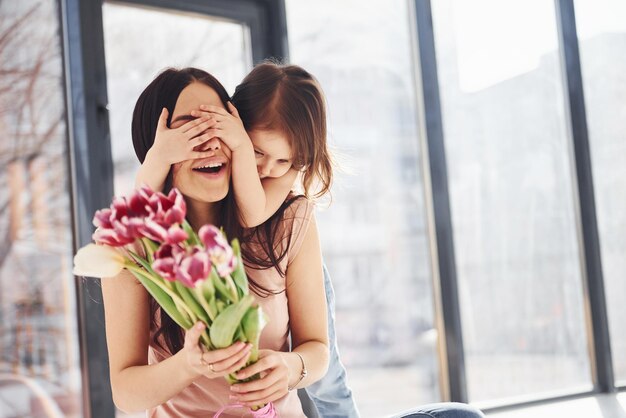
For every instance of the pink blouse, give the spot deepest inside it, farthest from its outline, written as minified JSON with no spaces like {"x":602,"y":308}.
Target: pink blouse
{"x":205,"y":396}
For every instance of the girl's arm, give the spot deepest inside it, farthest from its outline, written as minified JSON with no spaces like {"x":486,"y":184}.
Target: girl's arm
{"x":172,"y":146}
{"x":136,"y":385}
{"x":257,"y":200}
{"x":153,"y":171}
{"x":309,"y":334}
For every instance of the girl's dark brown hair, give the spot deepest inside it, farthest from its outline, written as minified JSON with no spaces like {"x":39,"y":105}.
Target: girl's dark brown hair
{"x":288,"y":99}
{"x":162,"y":92}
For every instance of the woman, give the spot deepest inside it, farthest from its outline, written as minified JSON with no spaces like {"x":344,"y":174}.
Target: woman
{"x":153,"y":366}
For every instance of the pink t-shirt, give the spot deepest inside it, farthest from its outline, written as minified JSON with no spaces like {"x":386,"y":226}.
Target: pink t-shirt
{"x":205,"y":396}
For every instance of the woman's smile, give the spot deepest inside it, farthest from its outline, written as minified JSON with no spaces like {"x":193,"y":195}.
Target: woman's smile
{"x":212,"y":167}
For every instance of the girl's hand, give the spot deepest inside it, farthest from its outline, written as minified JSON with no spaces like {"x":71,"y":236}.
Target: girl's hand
{"x":214,"y":363}
{"x":272,"y":385}
{"x":172,"y":146}
{"x":228,"y":126}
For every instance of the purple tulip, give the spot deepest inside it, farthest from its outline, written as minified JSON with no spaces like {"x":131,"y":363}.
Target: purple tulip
{"x":220,"y":252}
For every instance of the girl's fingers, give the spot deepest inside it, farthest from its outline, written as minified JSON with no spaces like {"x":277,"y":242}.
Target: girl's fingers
{"x":214,"y":109}
{"x":206,"y":136}
{"x":200,"y":128}
{"x":200,"y":154}
{"x":192,"y":336}
{"x":162,"y":123}
{"x":193,"y":124}
{"x":206,"y":114}
{"x":232,"y":109}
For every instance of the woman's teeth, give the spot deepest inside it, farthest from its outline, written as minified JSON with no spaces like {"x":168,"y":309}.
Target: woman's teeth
{"x":210,"y":168}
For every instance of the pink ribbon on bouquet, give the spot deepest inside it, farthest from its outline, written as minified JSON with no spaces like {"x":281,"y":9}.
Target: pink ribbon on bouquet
{"x":267,"y":411}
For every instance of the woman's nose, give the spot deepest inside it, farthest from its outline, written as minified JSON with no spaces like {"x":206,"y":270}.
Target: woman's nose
{"x":212,"y":144}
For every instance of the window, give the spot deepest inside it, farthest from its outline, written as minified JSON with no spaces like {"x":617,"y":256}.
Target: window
{"x":512,"y":202}
{"x":39,"y":357}
{"x":176,"y":40}
{"x":374,"y":234}
{"x":602,"y":33}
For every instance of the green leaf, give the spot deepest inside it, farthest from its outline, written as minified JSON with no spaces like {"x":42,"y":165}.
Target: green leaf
{"x":163,"y":299}
{"x":214,"y":308}
{"x":192,"y":238}
{"x":225,"y":325}
{"x":239,"y":274}
{"x":150,"y":247}
{"x":188,"y":297}
{"x":204,"y":299}
{"x":144,"y":263}
{"x":230,"y":285}
{"x":221,"y":287}
{"x":253,"y":323}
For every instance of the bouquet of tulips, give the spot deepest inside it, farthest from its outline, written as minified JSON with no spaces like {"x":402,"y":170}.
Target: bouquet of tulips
{"x":193,"y":277}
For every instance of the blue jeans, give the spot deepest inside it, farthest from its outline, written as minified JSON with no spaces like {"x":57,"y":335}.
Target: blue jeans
{"x":331,"y":395}
{"x":442,"y":410}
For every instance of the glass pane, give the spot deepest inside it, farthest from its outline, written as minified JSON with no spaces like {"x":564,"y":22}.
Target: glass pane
{"x":175,"y":40}
{"x":374,"y":234}
{"x":512,"y":200}
{"x":39,"y":351}
{"x":602,"y":36}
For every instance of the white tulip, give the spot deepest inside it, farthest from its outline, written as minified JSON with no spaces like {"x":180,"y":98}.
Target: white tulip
{"x":98,"y":261}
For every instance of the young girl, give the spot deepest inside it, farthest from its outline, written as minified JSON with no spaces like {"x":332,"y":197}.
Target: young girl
{"x":276,"y":130}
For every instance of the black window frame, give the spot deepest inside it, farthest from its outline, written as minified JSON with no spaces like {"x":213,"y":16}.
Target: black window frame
{"x":91,"y":162}
{"x":453,"y":372}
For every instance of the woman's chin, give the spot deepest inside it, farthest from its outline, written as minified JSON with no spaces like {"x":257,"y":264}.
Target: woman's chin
{"x":203,"y":185}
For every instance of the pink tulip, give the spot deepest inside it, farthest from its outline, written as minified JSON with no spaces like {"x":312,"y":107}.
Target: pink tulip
{"x":194,"y":267}
{"x":220,"y":252}
{"x":157,"y":232}
{"x":187,"y":265}
{"x":164,"y":261}
{"x":167,"y":210}
{"x":143,"y":214}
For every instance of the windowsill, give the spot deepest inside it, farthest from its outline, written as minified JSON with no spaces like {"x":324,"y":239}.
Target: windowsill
{"x":596,"y":406}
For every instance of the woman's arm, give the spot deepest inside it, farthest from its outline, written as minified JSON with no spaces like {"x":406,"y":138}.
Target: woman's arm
{"x":308,"y":324}
{"x":137,"y":386}
{"x":152,"y":172}
{"x":307,"y":310}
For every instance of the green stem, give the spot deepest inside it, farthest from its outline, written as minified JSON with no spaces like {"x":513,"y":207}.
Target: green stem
{"x":177,"y":300}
